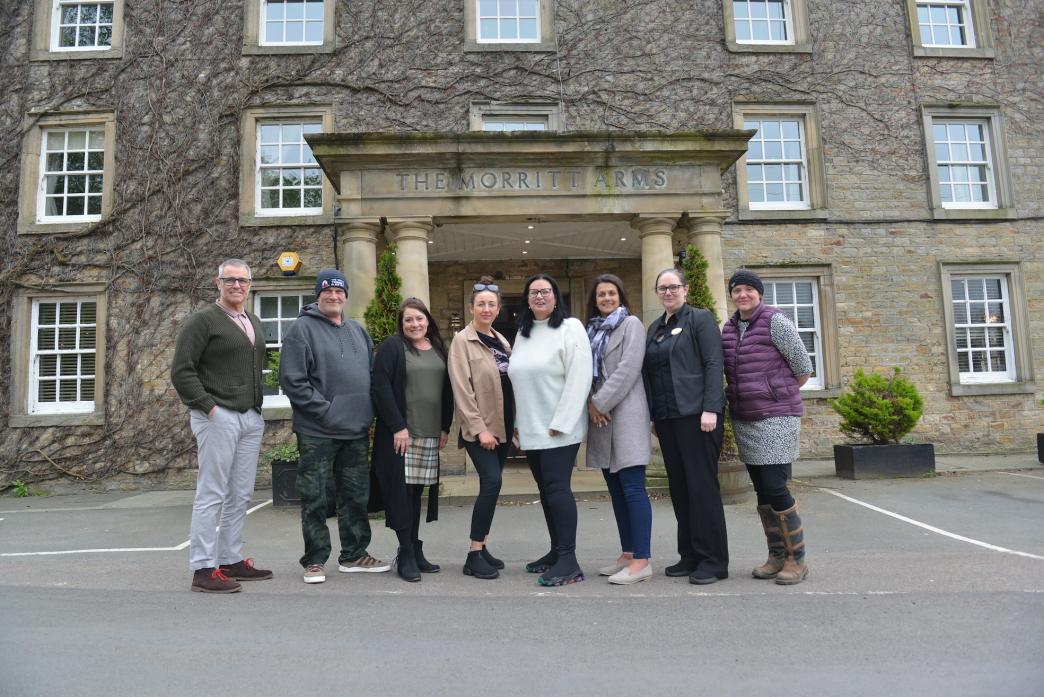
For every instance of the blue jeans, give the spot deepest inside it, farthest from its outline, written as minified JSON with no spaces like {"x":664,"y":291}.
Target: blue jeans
{"x":632,"y":509}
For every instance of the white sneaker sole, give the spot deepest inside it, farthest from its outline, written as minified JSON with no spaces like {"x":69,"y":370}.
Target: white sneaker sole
{"x":315,"y":579}
{"x":364,"y":570}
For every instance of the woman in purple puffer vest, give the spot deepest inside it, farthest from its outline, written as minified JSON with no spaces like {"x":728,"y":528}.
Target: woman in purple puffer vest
{"x":766,"y":364}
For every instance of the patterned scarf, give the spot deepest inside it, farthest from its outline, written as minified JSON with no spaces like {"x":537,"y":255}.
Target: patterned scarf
{"x":598,"y":331}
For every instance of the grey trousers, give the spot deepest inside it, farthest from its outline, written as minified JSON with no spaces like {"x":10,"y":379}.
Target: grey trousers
{"x":229,"y":444}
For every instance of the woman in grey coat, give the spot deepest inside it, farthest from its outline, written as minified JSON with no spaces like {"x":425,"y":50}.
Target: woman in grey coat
{"x":618,"y":437}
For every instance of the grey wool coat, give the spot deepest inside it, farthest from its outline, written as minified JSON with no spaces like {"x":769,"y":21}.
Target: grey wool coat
{"x":624,"y":442}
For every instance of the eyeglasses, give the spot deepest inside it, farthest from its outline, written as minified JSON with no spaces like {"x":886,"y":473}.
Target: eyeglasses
{"x":236,"y":281}
{"x":486,"y":286}
{"x":540,"y":292}
{"x":669,"y":290}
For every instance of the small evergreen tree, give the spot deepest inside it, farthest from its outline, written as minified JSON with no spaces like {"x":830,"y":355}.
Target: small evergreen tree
{"x":382,"y":311}
{"x":694,"y":269}
{"x":878,"y":408}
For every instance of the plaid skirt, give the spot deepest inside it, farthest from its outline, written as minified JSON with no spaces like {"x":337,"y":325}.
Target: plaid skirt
{"x":422,"y":461}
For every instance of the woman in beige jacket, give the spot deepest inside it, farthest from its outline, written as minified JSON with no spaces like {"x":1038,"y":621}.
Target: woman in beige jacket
{"x":478,"y":369}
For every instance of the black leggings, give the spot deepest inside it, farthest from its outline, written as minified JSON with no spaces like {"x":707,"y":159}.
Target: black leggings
{"x":490,"y":467}
{"x":552,"y":469}
{"x":770,"y":483}
{"x":414,"y":492}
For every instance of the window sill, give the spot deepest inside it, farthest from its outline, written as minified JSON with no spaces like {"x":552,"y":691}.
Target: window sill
{"x":955,"y":52}
{"x":94,"y":418}
{"x":47,"y":55}
{"x":974,"y":213}
{"x":258,"y":50}
{"x":538,"y":47}
{"x":246,"y":220}
{"x":34,"y":228}
{"x":782,"y":214}
{"x":821,"y":393}
{"x":736,"y":47}
{"x":988,"y":388}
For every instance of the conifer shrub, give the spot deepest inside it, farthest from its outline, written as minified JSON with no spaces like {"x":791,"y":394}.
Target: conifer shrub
{"x":381,"y":313}
{"x":879,"y":409}
{"x":694,"y":269}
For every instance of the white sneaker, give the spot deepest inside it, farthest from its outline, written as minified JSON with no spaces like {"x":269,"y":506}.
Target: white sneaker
{"x":315,"y":574}
{"x":625,"y":578}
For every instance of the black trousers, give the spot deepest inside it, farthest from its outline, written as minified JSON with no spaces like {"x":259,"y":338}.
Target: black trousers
{"x":770,"y":484}
{"x":490,"y":467}
{"x":691,"y":459}
{"x":553,"y":469}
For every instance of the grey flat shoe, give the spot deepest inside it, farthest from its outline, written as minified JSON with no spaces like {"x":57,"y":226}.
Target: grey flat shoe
{"x":625,"y":578}
{"x":613,"y":568}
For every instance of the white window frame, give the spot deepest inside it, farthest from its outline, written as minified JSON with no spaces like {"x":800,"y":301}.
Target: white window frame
{"x":991,"y":179}
{"x":262,"y":19}
{"x":806,"y":202}
{"x":278,"y":400}
{"x":482,"y":112}
{"x":815,"y":381}
{"x":56,"y":24}
{"x":971,"y":377}
{"x":259,"y":209}
{"x":523,"y":120}
{"x":80,"y":406}
{"x":964,"y":8}
{"x":42,"y":194}
{"x":788,"y":23}
{"x":517,"y":17}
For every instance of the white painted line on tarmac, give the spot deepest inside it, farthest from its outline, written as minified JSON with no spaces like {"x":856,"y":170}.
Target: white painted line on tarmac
{"x":178,"y":548}
{"x":932,"y":528}
{"x":1013,"y":474}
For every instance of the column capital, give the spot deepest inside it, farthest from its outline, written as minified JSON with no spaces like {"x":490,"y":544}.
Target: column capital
{"x":417,"y":228}
{"x":654,"y":224}
{"x":360,"y":229}
{"x":704,"y":222}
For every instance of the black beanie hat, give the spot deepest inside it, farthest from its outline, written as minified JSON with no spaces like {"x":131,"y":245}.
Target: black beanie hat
{"x":746,"y":277}
{"x":330,"y":278}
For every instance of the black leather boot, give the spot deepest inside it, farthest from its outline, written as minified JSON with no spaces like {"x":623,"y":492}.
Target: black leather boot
{"x":477,"y":566}
{"x":425,"y":566}
{"x":406,"y":564}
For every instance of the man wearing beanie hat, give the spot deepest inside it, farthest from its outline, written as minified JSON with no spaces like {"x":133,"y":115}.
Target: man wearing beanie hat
{"x":324,"y":370}
{"x":764,"y":392}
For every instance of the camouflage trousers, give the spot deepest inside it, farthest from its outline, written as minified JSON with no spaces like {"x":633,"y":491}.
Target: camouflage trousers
{"x":349,"y":461}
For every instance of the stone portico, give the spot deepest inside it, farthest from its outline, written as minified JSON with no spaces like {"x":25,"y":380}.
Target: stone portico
{"x":447,"y":198}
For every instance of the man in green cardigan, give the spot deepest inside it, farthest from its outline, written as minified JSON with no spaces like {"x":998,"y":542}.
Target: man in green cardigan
{"x":218,"y":358}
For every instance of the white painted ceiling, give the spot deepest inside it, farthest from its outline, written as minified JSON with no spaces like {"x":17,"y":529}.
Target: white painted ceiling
{"x":546,"y":240}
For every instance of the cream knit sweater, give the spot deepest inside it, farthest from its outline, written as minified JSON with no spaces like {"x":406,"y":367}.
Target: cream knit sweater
{"x":551,"y":376}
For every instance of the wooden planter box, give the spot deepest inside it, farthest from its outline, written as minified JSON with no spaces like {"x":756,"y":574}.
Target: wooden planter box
{"x":883,"y":461}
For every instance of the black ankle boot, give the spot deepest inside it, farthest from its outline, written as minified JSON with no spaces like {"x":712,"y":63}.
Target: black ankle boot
{"x":477,"y":566}
{"x":543,"y":563}
{"x":490,"y":559}
{"x":564,"y":572}
{"x":406,"y":564}
{"x":425,"y":566}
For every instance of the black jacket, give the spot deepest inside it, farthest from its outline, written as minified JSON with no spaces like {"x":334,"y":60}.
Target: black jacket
{"x":388,"y":389}
{"x":697,"y":365}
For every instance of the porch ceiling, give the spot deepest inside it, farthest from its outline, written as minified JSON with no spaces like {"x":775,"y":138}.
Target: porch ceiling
{"x":534,"y":239}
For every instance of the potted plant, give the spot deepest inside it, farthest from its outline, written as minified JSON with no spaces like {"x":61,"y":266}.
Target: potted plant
{"x":881,"y":410}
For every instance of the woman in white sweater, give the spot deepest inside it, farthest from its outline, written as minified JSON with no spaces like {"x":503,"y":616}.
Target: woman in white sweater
{"x":551,"y":374}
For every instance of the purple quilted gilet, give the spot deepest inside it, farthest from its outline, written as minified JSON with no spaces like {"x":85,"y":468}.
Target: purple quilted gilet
{"x":760,"y":382}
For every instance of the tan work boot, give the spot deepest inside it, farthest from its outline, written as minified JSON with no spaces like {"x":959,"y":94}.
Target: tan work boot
{"x":776,"y":551}
{"x":794,"y":568}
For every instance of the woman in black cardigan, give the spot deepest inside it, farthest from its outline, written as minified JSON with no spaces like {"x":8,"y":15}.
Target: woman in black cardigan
{"x":414,"y":404}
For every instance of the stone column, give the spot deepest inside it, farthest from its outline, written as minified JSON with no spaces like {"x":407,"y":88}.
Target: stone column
{"x":657,"y":255}
{"x":359,"y":263}
{"x":705,"y":235}
{"x":410,"y":236}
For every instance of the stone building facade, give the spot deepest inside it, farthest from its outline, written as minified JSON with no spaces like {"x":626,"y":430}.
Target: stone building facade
{"x":880,"y":164}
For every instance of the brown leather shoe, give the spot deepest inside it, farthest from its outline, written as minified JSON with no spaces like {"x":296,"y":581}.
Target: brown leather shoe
{"x":213,"y":581}
{"x":244,"y":571}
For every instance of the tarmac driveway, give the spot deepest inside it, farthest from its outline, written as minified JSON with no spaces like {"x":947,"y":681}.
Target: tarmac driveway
{"x":918,"y":587}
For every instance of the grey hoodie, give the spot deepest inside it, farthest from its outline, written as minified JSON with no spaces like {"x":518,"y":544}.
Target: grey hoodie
{"x":324,"y":369}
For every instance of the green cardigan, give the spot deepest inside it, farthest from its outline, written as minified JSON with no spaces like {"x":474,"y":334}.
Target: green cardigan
{"x":214,"y":362}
